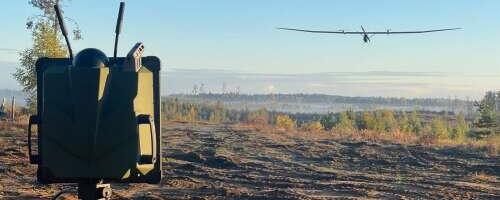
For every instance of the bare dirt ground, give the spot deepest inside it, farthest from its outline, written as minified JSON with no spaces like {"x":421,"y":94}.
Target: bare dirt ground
{"x":206,"y":161}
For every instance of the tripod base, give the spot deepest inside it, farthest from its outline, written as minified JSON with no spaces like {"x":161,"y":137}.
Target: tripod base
{"x":94,"y":191}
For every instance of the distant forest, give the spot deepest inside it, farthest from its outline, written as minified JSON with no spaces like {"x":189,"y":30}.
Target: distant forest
{"x":444,"y":125}
{"x":322,"y":104}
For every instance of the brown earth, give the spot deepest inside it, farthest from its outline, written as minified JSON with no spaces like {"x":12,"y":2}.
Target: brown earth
{"x":205,"y":161}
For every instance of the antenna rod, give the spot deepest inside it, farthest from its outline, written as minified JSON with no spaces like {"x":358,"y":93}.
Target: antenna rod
{"x":118,"y":28}
{"x":63,"y":30}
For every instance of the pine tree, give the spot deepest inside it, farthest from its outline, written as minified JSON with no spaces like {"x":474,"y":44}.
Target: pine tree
{"x":415,"y":124}
{"x":461,"y":128}
{"x":345,"y":121}
{"x":368,"y":121}
{"x":404,"y":123}
{"x":328,"y":121}
{"x":487,"y":121}
{"x":389,"y":120}
{"x":439,"y":129}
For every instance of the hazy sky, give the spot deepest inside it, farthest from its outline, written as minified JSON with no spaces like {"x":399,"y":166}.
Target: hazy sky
{"x":241,"y":35}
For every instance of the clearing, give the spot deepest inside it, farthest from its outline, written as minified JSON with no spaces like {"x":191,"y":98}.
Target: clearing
{"x":216,"y":161}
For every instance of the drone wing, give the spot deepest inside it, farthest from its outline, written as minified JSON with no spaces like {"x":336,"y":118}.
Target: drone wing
{"x":316,"y":31}
{"x":412,"y":32}
{"x":371,"y":33}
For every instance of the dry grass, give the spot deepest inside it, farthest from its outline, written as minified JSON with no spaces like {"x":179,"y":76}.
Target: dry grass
{"x":265,"y":159}
{"x":8,"y":126}
{"x":481,"y":177}
{"x":21,"y":122}
{"x":490,"y":146}
{"x":394,"y":136}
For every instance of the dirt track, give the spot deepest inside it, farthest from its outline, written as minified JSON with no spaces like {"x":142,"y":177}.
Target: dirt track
{"x":228,"y":162}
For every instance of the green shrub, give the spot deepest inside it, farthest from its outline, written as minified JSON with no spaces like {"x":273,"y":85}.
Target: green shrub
{"x":328,"y":121}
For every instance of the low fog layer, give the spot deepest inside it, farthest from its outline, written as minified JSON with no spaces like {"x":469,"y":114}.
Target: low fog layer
{"x":377,"y":83}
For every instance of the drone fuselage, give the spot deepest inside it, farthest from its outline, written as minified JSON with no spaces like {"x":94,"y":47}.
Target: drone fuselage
{"x":366,"y":38}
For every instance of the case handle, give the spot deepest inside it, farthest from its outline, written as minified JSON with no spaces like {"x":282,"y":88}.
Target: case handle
{"x":34,"y":159}
{"x":147,"y":159}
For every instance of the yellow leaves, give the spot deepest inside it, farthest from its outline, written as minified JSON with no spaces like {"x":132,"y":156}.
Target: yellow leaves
{"x":46,"y":41}
{"x":314,"y":127}
{"x":345,"y":121}
{"x":192,"y":116}
{"x":285,"y":122}
{"x":439,"y":128}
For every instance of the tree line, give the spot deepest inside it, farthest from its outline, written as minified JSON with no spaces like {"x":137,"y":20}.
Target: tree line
{"x":436,"y":125}
{"x":322,"y":103}
{"x":440,"y":125}
{"x":324,"y":99}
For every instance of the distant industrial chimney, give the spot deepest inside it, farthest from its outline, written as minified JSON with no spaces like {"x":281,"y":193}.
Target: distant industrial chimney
{"x":13,"y":109}
{"x":2,"y":106}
